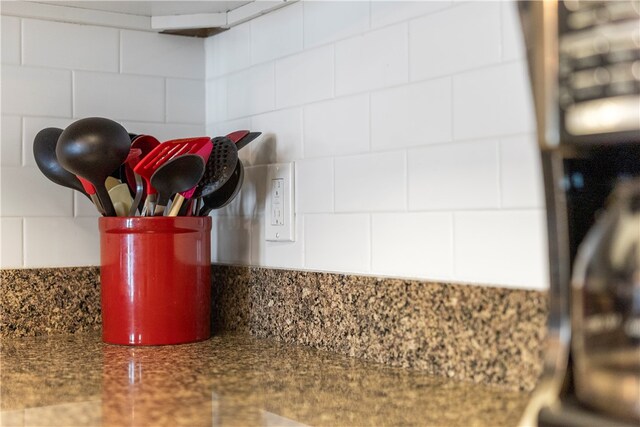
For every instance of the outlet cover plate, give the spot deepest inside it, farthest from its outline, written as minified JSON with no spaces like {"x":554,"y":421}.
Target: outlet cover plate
{"x":279,"y":213}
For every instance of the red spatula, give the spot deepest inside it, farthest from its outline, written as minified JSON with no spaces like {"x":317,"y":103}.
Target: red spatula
{"x":166,"y":151}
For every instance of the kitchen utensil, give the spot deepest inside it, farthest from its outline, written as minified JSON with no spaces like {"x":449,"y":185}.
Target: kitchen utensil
{"x":247,"y":139}
{"x":44,"y":153}
{"x":91,"y":192}
{"x":168,"y":150}
{"x":121,"y":199}
{"x":220,"y":166}
{"x":237,"y":135}
{"x":146,"y":143}
{"x":176,"y":175}
{"x":111,"y":182}
{"x":93,"y":148}
{"x":224,"y":195}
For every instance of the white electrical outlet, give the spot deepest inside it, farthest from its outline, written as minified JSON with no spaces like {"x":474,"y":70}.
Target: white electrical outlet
{"x":279,"y":213}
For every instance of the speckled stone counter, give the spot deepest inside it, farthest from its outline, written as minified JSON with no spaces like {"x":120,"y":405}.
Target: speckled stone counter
{"x":472,"y":333}
{"x":229,"y":380}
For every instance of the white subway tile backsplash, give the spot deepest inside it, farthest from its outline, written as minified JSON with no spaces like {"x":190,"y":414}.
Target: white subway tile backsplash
{"x":36,"y":91}
{"x":231,"y":240}
{"x":413,"y":245}
{"x":228,"y":51}
{"x":512,"y":37}
{"x":10,"y":40}
{"x":390,"y":12}
{"x":216,"y":100}
{"x":454,"y":176}
{"x":161,"y":54}
{"x":492,"y":101}
{"x":456,"y":39}
{"x":31,"y":127}
{"x":11,"y":242}
{"x":254,"y":192}
{"x":371,"y":182}
{"x":501,"y":248}
{"x":314,"y":185}
{"x":281,"y":139}
{"x":119,"y":96}
{"x":251,"y":91}
{"x":165,"y":131}
{"x":277,"y":254}
{"x":61,"y":242}
{"x":337,"y":127}
{"x":337,"y":242}
{"x":304,"y":77}
{"x":374,"y":60}
{"x":11,"y":141}
{"x":521,"y":172}
{"x":411,"y":115}
{"x":83,"y":207}
{"x":185,"y":101}
{"x":25,"y":191}
{"x":73,"y":46}
{"x":326,"y":21}
{"x":276,"y":34}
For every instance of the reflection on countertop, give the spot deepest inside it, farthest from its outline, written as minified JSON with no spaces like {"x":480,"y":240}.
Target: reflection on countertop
{"x":234,"y":380}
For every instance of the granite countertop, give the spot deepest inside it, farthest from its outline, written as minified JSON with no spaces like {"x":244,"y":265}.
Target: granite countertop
{"x":230,"y":379}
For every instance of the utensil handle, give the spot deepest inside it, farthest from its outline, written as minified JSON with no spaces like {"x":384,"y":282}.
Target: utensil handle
{"x":96,"y":201}
{"x":177,"y":203}
{"x":105,"y":200}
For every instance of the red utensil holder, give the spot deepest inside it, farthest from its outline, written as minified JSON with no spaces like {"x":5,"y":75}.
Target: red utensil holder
{"x":155,"y":279}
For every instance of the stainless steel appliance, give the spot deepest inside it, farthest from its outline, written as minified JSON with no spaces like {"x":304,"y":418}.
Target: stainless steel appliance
{"x":584,"y":64}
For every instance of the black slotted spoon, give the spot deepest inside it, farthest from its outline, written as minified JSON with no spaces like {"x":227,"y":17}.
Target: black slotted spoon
{"x":220,"y":167}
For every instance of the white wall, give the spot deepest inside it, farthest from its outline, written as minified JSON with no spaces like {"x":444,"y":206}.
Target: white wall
{"x":54,"y":73}
{"x":409,"y":123}
{"x":411,"y":128}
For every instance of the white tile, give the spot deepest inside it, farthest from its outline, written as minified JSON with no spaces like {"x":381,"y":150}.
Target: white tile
{"x":326,"y":21}
{"x":371,"y":182}
{"x":512,"y":36}
{"x":389,"y":12}
{"x":231,"y":240}
{"x":412,"y":245}
{"x":305,"y":77}
{"x":31,"y":127}
{"x":73,"y":46}
{"x":492,"y":101}
{"x":277,"y":254}
{"x":228,"y":51}
{"x":281,"y":139}
{"x":36,"y":91}
{"x":314,"y":185}
{"x":411,"y":115}
{"x":25,"y":191}
{"x":216,"y":100}
{"x":83,"y":207}
{"x":456,"y":39}
{"x":276,"y":34}
{"x":161,"y":54}
{"x":61,"y":242}
{"x":251,"y":91}
{"x":337,"y":127}
{"x":254,"y":192}
{"x":521,"y":173}
{"x":454,"y":176}
{"x":11,"y":242}
{"x":11,"y":141}
{"x":185,"y":101}
{"x":375,"y":60}
{"x":501,"y":248}
{"x":337,"y":242}
{"x":119,"y":96}
{"x":165,"y":131}
{"x":10,"y":40}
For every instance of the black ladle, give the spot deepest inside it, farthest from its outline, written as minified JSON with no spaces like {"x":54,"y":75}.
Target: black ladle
{"x":179,"y":174}
{"x":44,"y":152}
{"x":225,"y":194}
{"x":93,"y":148}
